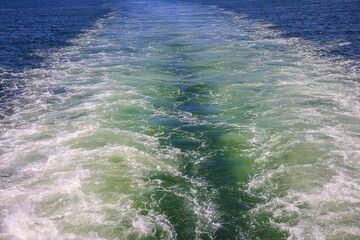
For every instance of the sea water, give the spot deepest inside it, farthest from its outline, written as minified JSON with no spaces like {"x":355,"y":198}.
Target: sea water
{"x":179,"y":120}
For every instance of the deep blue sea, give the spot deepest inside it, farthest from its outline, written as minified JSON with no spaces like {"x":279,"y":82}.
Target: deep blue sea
{"x":179,"y":119}
{"x":29,"y":30}
{"x":333,"y":24}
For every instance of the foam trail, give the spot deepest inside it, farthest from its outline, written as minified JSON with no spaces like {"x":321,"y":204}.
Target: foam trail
{"x":173,"y":120}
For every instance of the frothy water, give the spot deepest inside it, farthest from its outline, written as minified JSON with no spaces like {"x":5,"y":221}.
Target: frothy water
{"x":170,"y":120}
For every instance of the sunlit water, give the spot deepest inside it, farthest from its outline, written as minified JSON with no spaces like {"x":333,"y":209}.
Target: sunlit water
{"x":170,"y":120}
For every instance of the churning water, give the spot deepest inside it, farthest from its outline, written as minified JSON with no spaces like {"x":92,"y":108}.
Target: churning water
{"x":175,"y":120}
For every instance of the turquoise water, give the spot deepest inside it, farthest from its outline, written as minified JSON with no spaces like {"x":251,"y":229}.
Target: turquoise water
{"x":171,"y":120}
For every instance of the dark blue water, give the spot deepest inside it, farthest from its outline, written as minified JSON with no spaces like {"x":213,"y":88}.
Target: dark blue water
{"x":30,"y":29}
{"x":27,"y":27}
{"x":333,"y":23}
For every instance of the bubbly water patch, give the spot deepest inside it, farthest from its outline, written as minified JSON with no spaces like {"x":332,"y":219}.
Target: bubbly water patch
{"x":300,"y":138}
{"x":73,"y":186}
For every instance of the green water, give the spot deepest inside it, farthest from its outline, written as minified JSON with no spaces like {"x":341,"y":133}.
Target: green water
{"x":171,"y":120}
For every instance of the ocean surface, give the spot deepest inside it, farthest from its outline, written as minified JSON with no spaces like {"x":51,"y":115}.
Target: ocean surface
{"x":179,"y":119}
